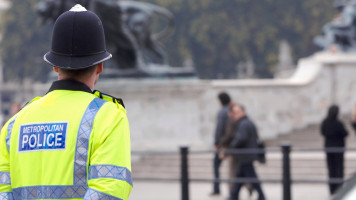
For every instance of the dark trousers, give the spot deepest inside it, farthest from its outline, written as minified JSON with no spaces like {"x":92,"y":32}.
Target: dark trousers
{"x":335,"y":162}
{"x":217,"y":163}
{"x":247,"y":170}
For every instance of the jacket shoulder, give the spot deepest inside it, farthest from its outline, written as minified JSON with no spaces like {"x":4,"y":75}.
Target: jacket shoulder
{"x":245,"y":123}
{"x":29,"y":102}
{"x":118,"y":101}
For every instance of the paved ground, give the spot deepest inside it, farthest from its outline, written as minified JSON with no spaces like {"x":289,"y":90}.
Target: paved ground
{"x":200,"y":191}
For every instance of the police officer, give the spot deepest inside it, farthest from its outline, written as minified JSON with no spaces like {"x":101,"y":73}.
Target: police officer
{"x":72,"y":143}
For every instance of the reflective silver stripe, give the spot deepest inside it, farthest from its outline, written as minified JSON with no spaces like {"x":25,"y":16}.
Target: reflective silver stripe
{"x":6,"y":196}
{"x":81,"y":153}
{"x":5,"y":178}
{"x":49,"y":192}
{"x":92,"y":194}
{"x":9,"y":131}
{"x":110,"y":171}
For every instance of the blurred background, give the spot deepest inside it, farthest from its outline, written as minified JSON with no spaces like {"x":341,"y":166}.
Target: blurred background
{"x":214,"y":36}
{"x":263,"y":53}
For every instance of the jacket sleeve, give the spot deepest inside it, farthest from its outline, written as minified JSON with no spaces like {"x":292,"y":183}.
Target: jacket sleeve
{"x":322,"y":128}
{"x":353,"y":124}
{"x":109,"y":173}
{"x":5,"y":180}
{"x":222,"y":119}
{"x":229,"y":134}
{"x":343,"y":130}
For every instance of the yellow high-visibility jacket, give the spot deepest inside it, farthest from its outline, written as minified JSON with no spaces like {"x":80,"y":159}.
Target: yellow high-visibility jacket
{"x":69,"y":144}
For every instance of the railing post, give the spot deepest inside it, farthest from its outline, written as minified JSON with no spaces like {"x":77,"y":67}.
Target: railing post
{"x":184,"y":173}
{"x":286,"y":148}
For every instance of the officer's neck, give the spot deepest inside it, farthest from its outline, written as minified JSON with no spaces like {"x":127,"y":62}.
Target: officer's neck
{"x":88,"y":82}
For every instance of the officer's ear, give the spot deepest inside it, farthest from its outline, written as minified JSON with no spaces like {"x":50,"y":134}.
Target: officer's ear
{"x":99,"y":68}
{"x":56,"y":69}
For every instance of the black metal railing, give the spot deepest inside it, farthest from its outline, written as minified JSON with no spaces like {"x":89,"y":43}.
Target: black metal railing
{"x":180,"y":168}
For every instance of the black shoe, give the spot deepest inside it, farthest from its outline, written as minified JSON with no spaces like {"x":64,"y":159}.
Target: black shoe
{"x":250,"y":192}
{"x":214,"y":193}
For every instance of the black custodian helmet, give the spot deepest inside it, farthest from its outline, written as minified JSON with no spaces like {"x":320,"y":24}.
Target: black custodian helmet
{"x":78,"y":40}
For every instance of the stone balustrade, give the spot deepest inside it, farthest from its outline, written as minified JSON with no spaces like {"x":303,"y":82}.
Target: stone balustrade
{"x":166,"y":113}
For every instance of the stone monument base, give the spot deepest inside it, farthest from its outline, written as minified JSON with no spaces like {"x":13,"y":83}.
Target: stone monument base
{"x":149,"y":71}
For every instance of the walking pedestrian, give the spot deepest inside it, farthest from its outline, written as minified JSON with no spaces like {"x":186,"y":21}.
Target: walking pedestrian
{"x":246,"y":137}
{"x":224,"y":146}
{"x":220,"y":130}
{"x":334,"y":133}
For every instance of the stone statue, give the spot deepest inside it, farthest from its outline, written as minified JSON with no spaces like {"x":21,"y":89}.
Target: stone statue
{"x":127,"y":23}
{"x":51,"y":9}
{"x":340,"y":33}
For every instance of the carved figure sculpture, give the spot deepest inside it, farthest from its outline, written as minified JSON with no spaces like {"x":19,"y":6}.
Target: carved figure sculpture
{"x":128,"y":29}
{"x":341,"y":31}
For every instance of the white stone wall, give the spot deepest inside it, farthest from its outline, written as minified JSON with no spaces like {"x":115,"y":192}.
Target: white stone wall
{"x":167,"y":113}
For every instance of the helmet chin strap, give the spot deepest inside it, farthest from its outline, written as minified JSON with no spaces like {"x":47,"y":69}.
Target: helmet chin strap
{"x":78,"y":8}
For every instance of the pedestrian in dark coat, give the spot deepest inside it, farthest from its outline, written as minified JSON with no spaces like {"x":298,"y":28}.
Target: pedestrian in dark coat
{"x":224,"y":146}
{"x":334,"y":134}
{"x":246,"y":137}
{"x":220,"y":130}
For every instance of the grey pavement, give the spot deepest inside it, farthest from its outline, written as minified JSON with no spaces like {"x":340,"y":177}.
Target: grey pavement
{"x":200,"y":191}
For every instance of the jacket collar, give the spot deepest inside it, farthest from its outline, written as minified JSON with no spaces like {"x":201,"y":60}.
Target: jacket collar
{"x":244,"y":118}
{"x":69,"y":85}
